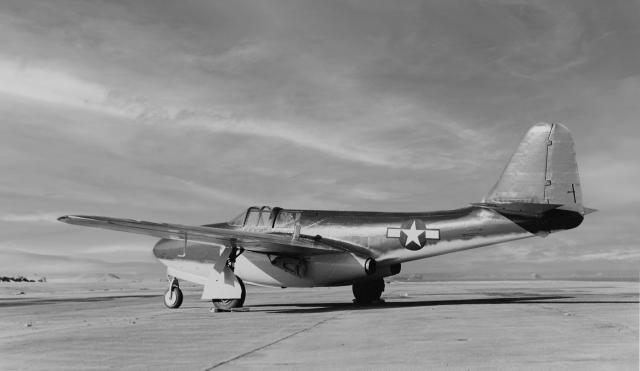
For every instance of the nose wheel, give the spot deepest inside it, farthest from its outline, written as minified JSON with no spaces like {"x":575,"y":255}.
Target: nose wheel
{"x":173,"y":296}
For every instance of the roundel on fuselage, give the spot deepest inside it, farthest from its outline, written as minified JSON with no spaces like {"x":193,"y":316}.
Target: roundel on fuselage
{"x":413,"y":234}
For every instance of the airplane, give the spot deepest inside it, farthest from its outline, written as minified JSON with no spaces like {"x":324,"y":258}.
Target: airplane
{"x":538,"y":193}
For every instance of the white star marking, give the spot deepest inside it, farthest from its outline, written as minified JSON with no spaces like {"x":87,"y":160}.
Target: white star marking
{"x":413,"y":234}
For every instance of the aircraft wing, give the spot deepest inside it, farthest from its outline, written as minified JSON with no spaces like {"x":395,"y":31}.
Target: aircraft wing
{"x":270,"y":243}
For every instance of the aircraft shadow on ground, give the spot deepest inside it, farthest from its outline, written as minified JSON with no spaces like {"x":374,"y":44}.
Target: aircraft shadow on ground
{"x":393,"y":302}
{"x":334,"y":307}
{"x":18,"y":302}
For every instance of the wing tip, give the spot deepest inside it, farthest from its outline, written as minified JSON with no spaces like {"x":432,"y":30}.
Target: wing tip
{"x":69,"y":219}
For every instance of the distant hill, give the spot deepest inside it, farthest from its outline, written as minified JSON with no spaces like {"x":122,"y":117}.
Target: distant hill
{"x":60,"y":268}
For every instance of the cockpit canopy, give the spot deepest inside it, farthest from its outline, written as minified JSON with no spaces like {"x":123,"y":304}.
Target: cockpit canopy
{"x":267,"y":217}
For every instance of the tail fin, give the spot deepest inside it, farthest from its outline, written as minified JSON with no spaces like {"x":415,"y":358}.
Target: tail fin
{"x":543,"y":170}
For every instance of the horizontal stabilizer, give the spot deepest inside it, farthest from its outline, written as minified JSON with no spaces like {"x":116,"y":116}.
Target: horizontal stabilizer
{"x":534,"y":210}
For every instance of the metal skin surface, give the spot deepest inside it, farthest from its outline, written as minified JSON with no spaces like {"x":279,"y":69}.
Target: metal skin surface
{"x":460,"y":229}
{"x":538,"y":193}
{"x":542,"y":170}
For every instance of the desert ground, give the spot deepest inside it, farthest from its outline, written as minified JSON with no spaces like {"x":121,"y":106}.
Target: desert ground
{"x":537,"y":325}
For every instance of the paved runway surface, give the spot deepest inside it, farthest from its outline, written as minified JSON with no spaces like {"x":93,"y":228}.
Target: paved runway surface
{"x":537,"y":325}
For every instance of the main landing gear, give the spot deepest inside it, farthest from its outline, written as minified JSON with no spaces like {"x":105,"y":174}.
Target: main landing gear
{"x":228,"y":304}
{"x":368,"y":292}
{"x":173,"y":296}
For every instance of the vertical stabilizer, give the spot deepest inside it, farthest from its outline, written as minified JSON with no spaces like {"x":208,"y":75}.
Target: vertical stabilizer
{"x":542,"y":170}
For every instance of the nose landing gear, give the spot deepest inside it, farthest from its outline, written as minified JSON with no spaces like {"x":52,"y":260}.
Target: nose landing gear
{"x":173,"y":296}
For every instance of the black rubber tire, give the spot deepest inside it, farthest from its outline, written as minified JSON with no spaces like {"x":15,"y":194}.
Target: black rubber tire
{"x":368,"y":292}
{"x":228,"y":304}
{"x":173,"y":298}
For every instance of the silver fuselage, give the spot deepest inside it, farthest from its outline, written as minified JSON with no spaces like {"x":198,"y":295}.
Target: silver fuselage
{"x":459,"y":229}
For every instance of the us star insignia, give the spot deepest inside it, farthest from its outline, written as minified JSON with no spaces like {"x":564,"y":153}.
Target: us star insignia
{"x":413,"y":234}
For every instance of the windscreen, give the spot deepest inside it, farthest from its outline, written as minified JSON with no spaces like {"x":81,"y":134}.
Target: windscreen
{"x":238,"y":220}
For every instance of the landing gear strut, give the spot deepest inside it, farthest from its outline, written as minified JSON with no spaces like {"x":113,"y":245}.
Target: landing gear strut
{"x":228,"y":304}
{"x":173,"y":296}
{"x":368,"y":292}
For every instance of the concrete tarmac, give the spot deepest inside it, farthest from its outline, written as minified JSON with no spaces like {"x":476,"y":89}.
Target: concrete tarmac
{"x":516,"y":325}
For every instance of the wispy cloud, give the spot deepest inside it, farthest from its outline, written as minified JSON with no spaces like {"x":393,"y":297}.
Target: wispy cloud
{"x":343,"y":146}
{"x":616,"y":254}
{"x":46,"y":85}
{"x":217,"y":194}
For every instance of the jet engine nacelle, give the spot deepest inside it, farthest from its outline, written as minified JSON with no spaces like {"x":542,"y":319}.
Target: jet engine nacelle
{"x":372,"y":267}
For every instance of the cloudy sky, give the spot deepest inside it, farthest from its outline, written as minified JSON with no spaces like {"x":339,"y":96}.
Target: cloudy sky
{"x":190,"y":111}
